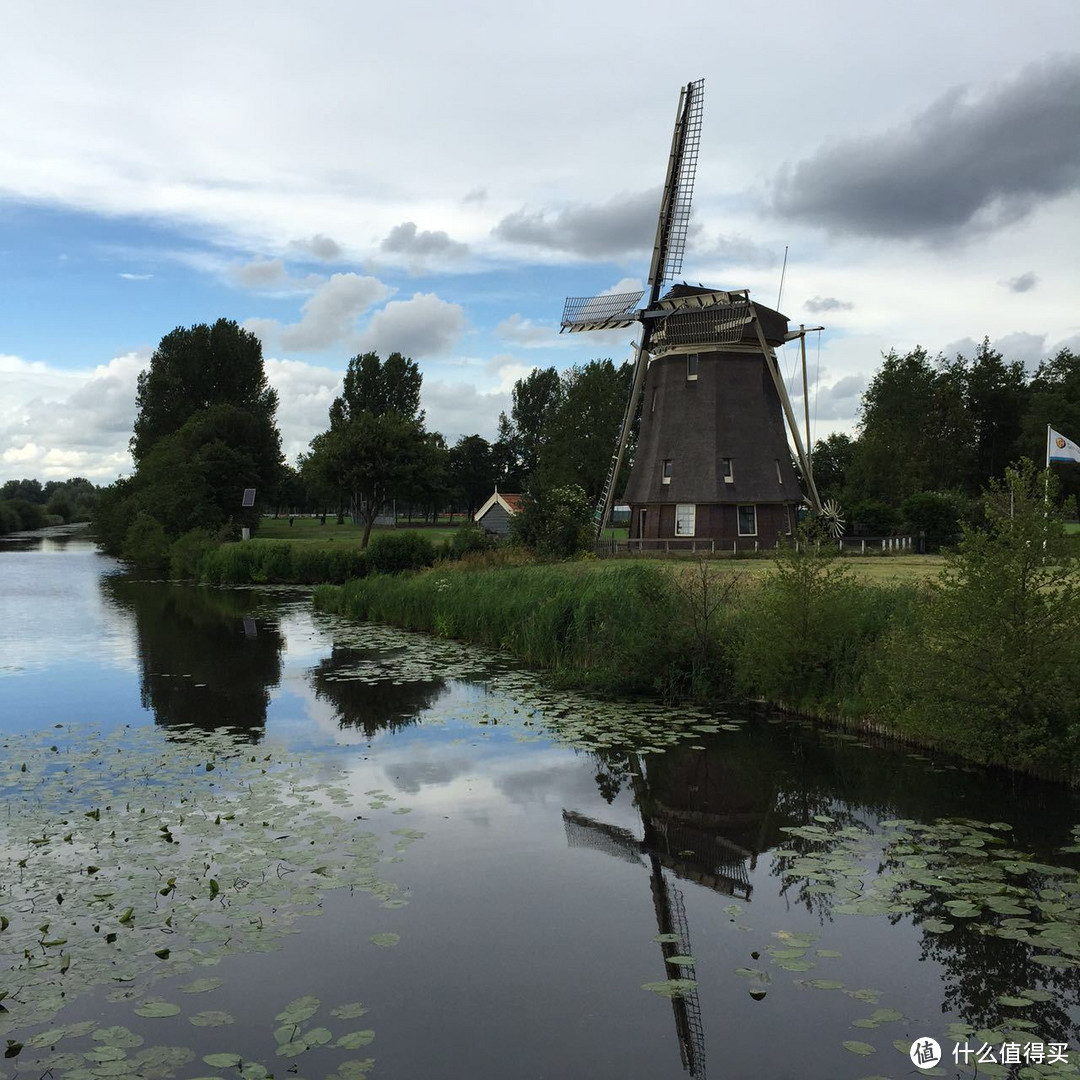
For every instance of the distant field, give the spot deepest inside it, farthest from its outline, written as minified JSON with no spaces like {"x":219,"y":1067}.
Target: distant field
{"x":309,"y":531}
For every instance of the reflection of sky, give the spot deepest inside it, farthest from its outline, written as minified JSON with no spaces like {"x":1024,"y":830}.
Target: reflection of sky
{"x":52,"y":611}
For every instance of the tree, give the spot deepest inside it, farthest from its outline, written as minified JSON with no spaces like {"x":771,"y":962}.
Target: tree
{"x":553,"y":522}
{"x":523,"y":434}
{"x":584,"y":426}
{"x":915,"y":432}
{"x":1054,"y":399}
{"x":375,"y":445}
{"x":831,"y":460}
{"x":988,"y":660}
{"x":194,"y":368}
{"x":371,"y":385}
{"x":472,"y":471}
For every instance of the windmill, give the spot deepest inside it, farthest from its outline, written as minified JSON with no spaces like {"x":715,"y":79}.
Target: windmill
{"x":712,"y":457}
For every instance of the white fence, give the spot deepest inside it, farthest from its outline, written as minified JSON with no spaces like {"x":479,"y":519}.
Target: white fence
{"x":745,"y":545}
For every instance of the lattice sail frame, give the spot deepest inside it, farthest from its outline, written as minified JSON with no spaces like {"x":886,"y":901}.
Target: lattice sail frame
{"x":675,"y":223}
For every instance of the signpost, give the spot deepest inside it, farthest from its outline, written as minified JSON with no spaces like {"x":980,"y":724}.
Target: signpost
{"x":247,"y":503}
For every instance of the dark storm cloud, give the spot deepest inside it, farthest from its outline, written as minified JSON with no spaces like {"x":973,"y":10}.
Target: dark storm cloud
{"x":406,"y":239}
{"x":622,"y":226}
{"x":827,"y":303}
{"x":964,"y":164}
{"x":1022,"y":283}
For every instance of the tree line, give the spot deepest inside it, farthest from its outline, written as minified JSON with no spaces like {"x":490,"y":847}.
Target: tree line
{"x":28,"y":504}
{"x":933,"y":432}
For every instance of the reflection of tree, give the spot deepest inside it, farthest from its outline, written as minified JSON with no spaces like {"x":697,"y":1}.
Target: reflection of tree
{"x":206,"y":661}
{"x":376,"y":704}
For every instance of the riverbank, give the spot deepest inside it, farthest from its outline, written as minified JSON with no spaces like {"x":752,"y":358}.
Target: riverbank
{"x":937,"y":664}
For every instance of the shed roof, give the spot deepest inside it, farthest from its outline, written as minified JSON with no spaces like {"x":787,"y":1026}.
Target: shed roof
{"x":511,"y":503}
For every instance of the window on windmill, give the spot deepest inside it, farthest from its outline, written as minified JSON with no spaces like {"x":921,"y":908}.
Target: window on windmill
{"x":691,"y":366}
{"x":779,"y":474}
{"x":685,"y":514}
{"x":727,"y":469}
{"x":666,"y":475}
{"x":748,"y":520}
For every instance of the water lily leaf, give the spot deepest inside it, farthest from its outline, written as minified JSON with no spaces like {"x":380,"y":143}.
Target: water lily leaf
{"x":223,"y":1061}
{"x":861,"y":1048}
{"x":211,"y":1018}
{"x":680,"y":961}
{"x":118,"y":1035}
{"x":157,"y":1009}
{"x":348,"y":1012}
{"x":355,"y":1039}
{"x":1014,"y":1002}
{"x":671,"y":988}
{"x":319,"y":1036}
{"x":827,"y":984}
{"x":385,"y":940}
{"x":665,"y":939}
{"x":886,"y":1016}
{"x":936,"y":926}
{"x":299,"y":1010}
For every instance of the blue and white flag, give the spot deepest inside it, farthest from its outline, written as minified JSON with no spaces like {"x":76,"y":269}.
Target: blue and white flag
{"x":1060,"y":449}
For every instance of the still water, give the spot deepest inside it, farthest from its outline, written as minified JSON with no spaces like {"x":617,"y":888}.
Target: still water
{"x":240,"y":838}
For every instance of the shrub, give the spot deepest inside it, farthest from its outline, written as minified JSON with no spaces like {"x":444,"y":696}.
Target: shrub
{"x":145,"y":543}
{"x":806,"y":631}
{"x":392,"y":553}
{"x":553,"y":522}
{"x":188,"y":552}
{"x":934,"y":515}
{"x":991,"y":668}
{"x":469,"y":539}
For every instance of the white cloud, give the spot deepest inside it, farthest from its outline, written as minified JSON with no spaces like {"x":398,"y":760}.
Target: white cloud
{"x":524,"y":332}
{"x":329,"y":316}
{"x":305,"y":393}
{"x":136,"y":277}
{"x":458,"y":409}
{"x":55,"y":424}
{"x":422,"y":326}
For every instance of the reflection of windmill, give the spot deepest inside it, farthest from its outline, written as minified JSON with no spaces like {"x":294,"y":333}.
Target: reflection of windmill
{"x":687,"y":849}
{"x":712,"y":458}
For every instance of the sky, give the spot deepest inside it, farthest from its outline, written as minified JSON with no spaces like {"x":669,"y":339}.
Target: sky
{"x":342,"y":176}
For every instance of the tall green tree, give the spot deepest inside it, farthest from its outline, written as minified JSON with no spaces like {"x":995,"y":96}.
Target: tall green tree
{"x":1054,"y":399}
{"x":581,"y":432}
{"x":914,"y":431}
{"x":472,"y":471}
{"x":194,"y":368}
{"x":523,"y":435}
{"x":205,"y":430}
{"x":375,"y":445}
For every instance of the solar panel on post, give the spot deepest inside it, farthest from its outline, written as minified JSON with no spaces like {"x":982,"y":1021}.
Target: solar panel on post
{"x":249,"y":498}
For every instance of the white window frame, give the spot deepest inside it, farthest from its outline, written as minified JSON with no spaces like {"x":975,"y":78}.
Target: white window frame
{"x":683,"y":507}
{"x":738,"y":511}
{"x":729,"y":476}
{"x":696,"y":358}
{"x":665,"y":471}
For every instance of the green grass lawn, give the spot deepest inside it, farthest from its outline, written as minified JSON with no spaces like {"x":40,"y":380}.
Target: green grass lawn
{"x":309,"y":531}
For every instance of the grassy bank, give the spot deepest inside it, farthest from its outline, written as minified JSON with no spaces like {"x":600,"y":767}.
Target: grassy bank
{"x":958,"y":661}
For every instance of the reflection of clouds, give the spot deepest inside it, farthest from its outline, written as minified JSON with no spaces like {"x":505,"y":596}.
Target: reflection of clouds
{"x":431,"y":768}
{"x":42,"y":592}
